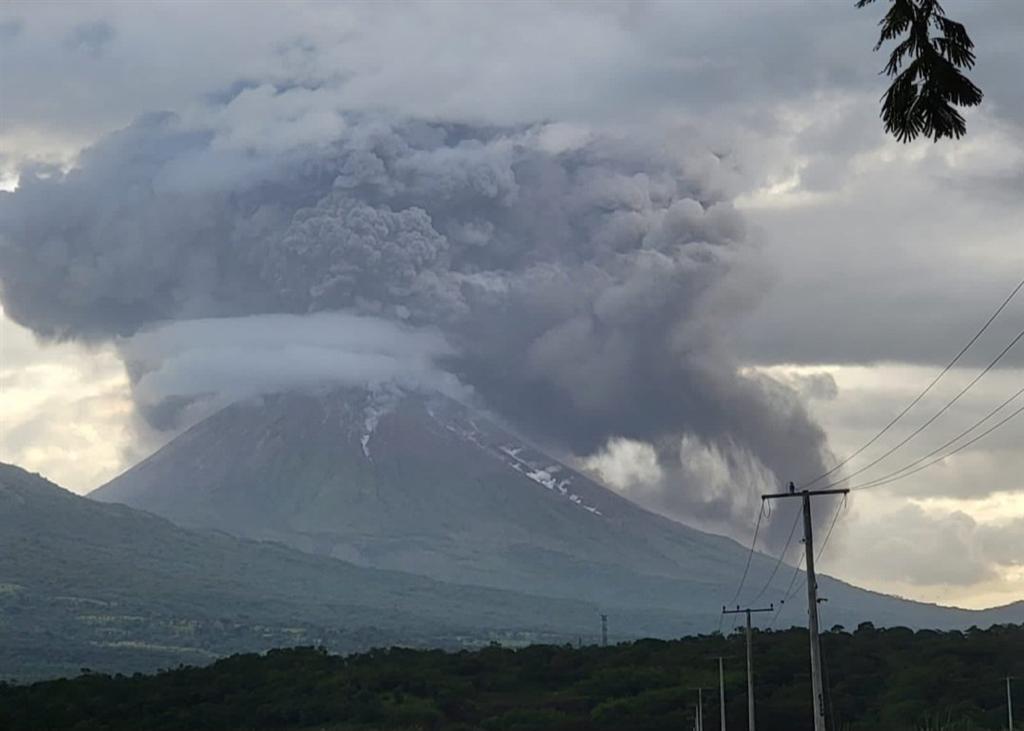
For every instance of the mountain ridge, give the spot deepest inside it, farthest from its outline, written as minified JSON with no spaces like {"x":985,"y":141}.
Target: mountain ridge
{"x":106,"y":586}
{"x":430,"y":486}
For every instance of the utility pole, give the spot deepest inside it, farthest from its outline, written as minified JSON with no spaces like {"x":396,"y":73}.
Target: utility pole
{"x":1009,"y":704}
{"x":699,"y":716}
{"x":812,"y":594}
{"x":604,"y":630}
{"x":750,"y":658}
{"x":721,"y":692}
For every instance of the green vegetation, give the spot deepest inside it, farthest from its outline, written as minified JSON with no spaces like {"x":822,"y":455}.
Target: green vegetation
{"x":879,"y":679}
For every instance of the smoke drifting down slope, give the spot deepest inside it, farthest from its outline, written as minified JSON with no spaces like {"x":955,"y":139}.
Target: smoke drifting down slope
{"x":580,"y":285}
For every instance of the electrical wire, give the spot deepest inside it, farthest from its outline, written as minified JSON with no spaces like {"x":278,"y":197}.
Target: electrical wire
{"x":937,"y":450}
{"x":790,"y":591}
{"x":782,"y":556}
{"x":750,"y":555}
{"x":905,"y":471}
{"x":965,"y":445}
{"x":935,"y":416}
{"x":923,"y":393}
{"x":824,"y":543}
{"x":832,"y":527}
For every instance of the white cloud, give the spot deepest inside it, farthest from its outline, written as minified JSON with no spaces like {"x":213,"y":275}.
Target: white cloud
{"x":944,"y":555}
{"x":65,"y":409}
{"x":211,"y":362}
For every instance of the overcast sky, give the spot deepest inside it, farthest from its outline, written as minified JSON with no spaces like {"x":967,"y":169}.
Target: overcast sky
{"x":864,"y":264}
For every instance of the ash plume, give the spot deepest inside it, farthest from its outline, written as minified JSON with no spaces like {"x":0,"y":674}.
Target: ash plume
{"x":584,"y":286}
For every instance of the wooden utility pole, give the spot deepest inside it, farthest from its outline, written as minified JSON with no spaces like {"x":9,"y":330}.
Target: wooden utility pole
{"x":812,"y":594}
{"x":604,"y":630}
{"x":750,"y":658}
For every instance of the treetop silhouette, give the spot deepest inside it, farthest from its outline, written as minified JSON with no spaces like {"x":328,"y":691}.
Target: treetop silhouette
{"x":927,"y":82}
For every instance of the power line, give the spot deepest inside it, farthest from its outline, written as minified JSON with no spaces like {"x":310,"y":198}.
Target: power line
{"x":935,"y":416}
{"x":937,"y":450}
{"x":778,"y":563}
{"x":908,"y":469}
{"x":899,"y":475}
{"x":965,"y":445}
{"x":916,"y":465}
{"x":792,"y":589}
{"x":902,"y":472}
{"x":923,"y":393}
{"x":789,"y":591}
{"x":835,"y":518}
{"x":750,"y":555}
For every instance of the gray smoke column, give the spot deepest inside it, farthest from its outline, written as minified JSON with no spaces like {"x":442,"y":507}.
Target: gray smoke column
{"x":584,"y":286}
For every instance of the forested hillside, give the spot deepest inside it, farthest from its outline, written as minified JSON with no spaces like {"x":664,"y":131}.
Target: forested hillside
{"x":878,"y":679}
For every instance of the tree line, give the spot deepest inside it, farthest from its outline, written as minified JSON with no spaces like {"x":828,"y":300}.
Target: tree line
{"x":878,"y":679}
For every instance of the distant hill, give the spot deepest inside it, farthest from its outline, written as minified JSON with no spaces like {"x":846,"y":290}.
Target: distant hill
{"x":86,"y":584}
{"x":427,"y":485}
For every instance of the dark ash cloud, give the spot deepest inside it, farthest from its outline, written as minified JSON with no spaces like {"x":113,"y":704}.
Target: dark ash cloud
{"x":586,"y":284}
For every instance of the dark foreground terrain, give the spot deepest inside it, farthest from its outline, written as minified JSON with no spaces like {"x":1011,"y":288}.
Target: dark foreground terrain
{"x":883,"y":680}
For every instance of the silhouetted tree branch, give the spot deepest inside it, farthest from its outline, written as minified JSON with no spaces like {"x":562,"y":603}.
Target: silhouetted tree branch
{"x":927,"y":83}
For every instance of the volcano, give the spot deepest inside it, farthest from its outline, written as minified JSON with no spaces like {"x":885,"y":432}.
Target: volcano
{"x":427,"y":485}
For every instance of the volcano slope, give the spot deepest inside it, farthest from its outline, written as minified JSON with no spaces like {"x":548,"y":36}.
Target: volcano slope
{"x":424,"y":484}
